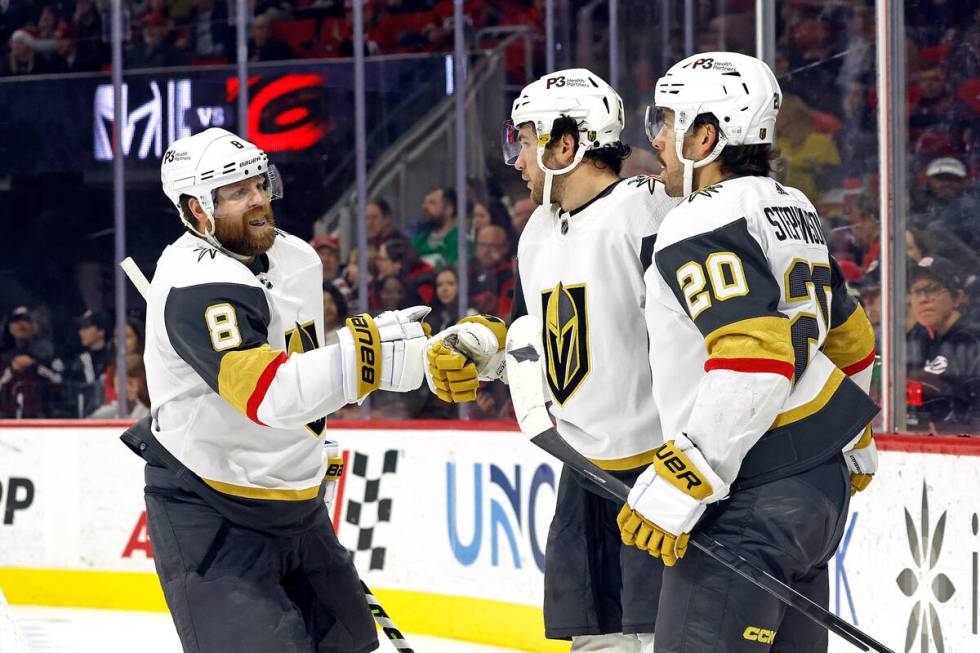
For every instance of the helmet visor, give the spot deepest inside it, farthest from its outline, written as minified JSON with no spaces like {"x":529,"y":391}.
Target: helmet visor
{"x":653,"y":121}
{"x":510,"y":141}
{"x":270,"y":184}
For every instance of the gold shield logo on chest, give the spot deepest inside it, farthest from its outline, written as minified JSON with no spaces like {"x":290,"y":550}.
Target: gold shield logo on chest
{"x":566,"y":339}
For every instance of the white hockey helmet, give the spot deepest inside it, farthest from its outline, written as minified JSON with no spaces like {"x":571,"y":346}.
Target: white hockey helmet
{"x":200,"y":164}
{"x":739,"y":90}
{"x":576,"y":93}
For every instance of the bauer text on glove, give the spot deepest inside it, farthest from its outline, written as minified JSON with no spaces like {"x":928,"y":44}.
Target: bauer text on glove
{"x":667,"y":500}
{"x":383,"y":353}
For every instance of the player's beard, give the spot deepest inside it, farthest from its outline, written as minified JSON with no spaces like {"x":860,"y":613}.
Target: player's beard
{"x":243,"y":239}
{"x":537,"y":187}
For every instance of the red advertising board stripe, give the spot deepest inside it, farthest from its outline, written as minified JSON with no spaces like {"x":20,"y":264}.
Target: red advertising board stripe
{"x":905,"y":442}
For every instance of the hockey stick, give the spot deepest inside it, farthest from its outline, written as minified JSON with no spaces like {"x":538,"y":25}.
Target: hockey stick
{"x":381,"y":617}
{"x":526,"y":380}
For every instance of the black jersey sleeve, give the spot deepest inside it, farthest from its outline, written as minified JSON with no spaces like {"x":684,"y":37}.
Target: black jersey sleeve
{"x":221,"y":331}
{"x":723,"y":281}
{"x":519,"y":306}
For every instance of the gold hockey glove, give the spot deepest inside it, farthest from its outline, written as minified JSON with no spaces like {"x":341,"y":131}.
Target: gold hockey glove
{"x":470,"y":351}
{"x":862,"y":460}
{"x":667,"y":500}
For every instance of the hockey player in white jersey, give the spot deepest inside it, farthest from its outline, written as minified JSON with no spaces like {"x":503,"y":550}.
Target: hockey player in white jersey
{"x":237,"y":460}
{"x":753,"y":345}
{"x":581,"y":260}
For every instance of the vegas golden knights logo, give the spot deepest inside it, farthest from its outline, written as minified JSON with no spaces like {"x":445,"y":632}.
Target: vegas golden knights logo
{"x":566,"y":339}
{"x":302,"y":337}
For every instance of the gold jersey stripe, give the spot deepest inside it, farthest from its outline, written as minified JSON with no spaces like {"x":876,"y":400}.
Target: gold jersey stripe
{"x":239,"y":374}
{"x":757,"y":337}
{"x":814,"y":405}
{"x":629,"y":462}
{"x":850,"y":342}
{"x":247,"y":492}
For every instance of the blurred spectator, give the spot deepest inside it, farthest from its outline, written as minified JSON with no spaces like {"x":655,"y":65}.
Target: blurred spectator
{"x":808,"y":155}
{"x":328,"y":249}
{"x":263,"y":46}
{"x":137,"y":394}
{"x":857,"y":139}
{"x":949,"y":201}
{"x":85,"y":373}
{"x":938,"y":120}
{"x":134,"y":345}
{"x":520,"y":213}
{"x":445,"y":306}
{"x":492,"y":273}
{"x":30,"y":375}
{"x":208,"y":32}
{"x":943,"y":364}
{"x":352,"y":273}
{"x":397,"y":257}
{"x":377,"y":218}
{"x":87,"y":28}
{"x":335,"y":310}
{"x":154,"y":49}
{"x":395,"y":294}
{"x":863,"y":217}
{"x":67,"y":58}
{"x":934,"y":22}
{"x":437,"y":235}
{"x":22,"y":59}
{"x":479,"y":217}
{"x":967,"y":49}
{"x":47,"y":23}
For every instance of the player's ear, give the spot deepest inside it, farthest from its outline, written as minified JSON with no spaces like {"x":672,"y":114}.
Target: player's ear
{"x":567,"y":151}
{"x":197,"y":212}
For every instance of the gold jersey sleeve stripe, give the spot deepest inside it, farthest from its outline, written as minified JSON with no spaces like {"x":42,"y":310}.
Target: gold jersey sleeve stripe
{"x":244,"y":376}
{"x":247,"y":492}
{"x":629,"y":462}
{"x":764,"y":340}
{"x":852,"y":343}
{"x":814,"y":405}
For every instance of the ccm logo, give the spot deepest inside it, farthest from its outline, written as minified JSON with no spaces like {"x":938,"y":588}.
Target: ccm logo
{"x":761,"y":635}
{"x":678,"y":467}
{"x":557,"y":82}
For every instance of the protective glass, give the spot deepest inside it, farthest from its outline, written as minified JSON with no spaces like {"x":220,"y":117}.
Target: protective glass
{"x":653,"y":121}
{"x":510,"y":141}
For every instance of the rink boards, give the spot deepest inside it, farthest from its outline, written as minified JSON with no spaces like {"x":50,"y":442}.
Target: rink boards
{"x":449,"y":526}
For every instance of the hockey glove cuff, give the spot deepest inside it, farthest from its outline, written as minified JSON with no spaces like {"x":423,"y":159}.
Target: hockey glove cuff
{"x":335,"y":468}
{"x":383,"y":353}
{"x":470,"y":351}
{"x":667,"y":500}
{"x":861,"y":456}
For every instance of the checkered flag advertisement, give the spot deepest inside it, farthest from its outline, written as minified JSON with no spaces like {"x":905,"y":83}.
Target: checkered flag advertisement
{"x":367,"y":512}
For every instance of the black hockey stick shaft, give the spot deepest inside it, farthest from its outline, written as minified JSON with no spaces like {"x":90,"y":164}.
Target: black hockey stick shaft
{"x":384,"y":621}
{"x":380,"y":616}
{"x":552,"y":442}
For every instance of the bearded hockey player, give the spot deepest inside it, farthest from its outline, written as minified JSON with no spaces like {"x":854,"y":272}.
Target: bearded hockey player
{"x":581,"y":260}
{"x":237,"y":462}
{"x":752,"y":342}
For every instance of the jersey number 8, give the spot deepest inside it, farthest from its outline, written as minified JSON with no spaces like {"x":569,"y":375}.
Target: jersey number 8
{"x":223,"y":326}
{"x":727,"y":277}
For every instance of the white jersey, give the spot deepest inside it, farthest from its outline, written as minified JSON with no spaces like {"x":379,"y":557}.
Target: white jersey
{"x":581,"y":273}
{"x":741,"y":299}
{"x":233,"y":396}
